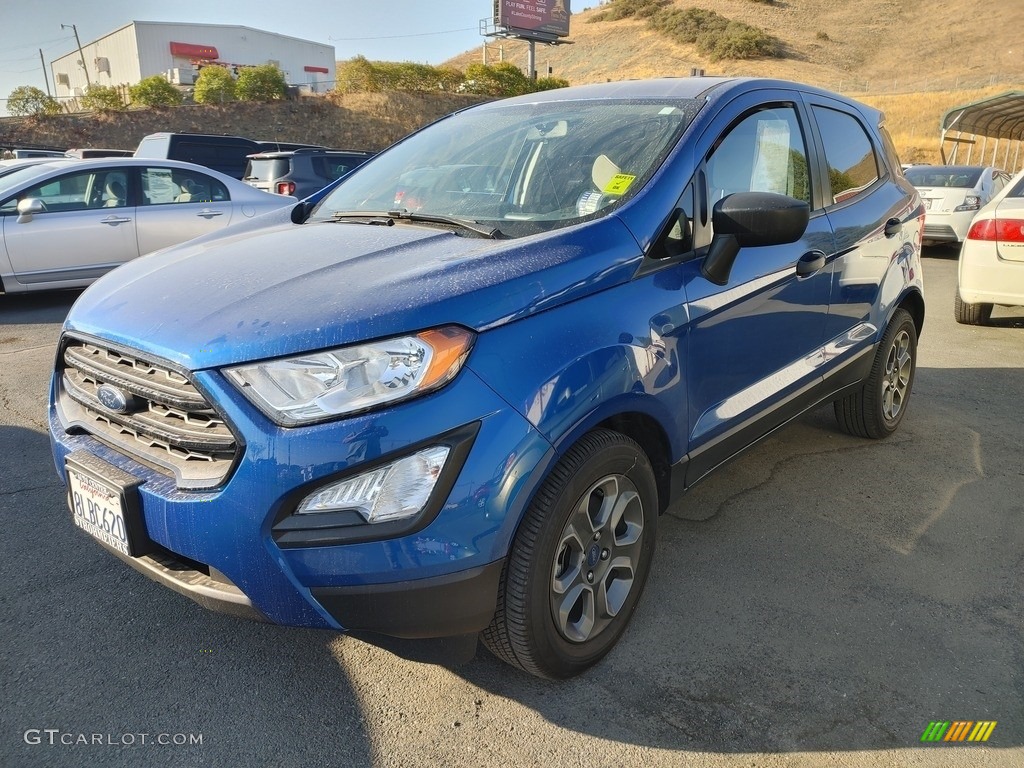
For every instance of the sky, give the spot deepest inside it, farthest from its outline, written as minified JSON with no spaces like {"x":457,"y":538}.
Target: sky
{"x":392,"y":30}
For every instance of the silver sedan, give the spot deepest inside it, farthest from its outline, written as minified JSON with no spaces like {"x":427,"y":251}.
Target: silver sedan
{"x":67,"y":222}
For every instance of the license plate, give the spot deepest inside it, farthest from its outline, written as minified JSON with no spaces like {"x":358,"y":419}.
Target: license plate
{"x":104,"y":502}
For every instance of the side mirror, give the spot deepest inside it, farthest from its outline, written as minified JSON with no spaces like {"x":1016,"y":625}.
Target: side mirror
{"x":301,"y":211}
{"x":748,"y":220}
{"x":28,"y":207}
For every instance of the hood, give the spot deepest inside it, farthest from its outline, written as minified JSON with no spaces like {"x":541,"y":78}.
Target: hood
{"x":286,"y":289}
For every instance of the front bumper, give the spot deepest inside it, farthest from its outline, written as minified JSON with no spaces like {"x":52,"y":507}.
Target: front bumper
{"x":218,"y":547}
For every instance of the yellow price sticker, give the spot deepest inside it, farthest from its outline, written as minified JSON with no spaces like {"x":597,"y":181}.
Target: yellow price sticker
{"x":619,"y":184}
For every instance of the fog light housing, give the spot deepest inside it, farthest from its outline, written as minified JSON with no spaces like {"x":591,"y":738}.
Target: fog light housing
{"x":395,"y":491}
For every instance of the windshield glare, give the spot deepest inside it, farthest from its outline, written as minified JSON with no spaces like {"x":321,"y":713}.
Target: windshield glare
{"x":520,"y":168}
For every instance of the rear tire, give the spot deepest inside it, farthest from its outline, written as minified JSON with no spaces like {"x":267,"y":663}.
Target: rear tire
{"x":878,"y":407}
{"x":970,"y":314}
{"x":579,"y":560}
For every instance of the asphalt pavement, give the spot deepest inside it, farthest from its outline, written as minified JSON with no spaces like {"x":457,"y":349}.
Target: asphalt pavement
{"x":818,"y":602}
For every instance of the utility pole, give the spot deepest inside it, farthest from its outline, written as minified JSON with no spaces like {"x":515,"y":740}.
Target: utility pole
{"x":85,"y":65}
{"x":45,"y":76}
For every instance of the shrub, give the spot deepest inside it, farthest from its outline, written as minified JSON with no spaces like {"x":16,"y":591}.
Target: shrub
{"x":714,"y":35}
{"x":27,"y":100}
{"x":263,"y":83}
{"x":550,"y":83}
{"x":155,"y":91}
{"x":738,"y":41}
{"x":823,"y":36}
{"x":215,"y":85}
{"x":360,"y":75}
{"x":624,"y":9}
{"x":102,"y":98}
{"x":502,"y":79}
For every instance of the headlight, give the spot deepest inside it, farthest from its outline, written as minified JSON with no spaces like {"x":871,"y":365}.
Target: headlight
{"x":317,"y":386}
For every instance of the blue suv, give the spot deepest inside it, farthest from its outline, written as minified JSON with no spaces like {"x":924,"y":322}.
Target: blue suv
{"x":451,"y":395}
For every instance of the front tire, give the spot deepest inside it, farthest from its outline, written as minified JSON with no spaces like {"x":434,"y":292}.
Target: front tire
{"x":877,"y":408}
{"x":579,"y":560}
{"x":970,"y":314}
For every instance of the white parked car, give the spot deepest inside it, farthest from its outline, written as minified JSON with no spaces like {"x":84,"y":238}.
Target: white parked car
{"x":992,"y":257}
{"x":952,"y":194}
{"x":66,"y":222}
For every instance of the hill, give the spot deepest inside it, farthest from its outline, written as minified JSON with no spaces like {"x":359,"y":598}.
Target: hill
{"x":914,"y":59}
{"x":862,"y":46}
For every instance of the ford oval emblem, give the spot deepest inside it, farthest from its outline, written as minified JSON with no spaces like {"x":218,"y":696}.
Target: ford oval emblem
{"x":112,"y":398}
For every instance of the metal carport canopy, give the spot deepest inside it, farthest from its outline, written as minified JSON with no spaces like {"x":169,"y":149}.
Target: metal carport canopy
{"x":997,"y":117}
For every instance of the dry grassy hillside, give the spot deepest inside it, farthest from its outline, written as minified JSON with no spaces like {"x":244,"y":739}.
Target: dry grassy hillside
{"x":914,"y":59}
{"x":863,"y":45}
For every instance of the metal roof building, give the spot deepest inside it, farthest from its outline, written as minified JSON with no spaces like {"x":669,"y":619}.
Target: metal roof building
{"x":178,"y":51}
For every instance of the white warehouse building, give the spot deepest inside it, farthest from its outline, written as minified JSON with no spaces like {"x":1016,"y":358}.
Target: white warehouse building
{"x":178,"y":51}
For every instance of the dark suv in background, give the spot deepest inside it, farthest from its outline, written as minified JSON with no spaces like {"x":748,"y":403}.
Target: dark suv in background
{"x":227,"y":154}
{"x":301,"y":172}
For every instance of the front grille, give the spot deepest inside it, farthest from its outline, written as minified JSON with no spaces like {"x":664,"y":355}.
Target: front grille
{"x":168,"y":424}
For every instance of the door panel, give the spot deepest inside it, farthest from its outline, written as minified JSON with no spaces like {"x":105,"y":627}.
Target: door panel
{"x":87,"y":229}
{"x":178,"y":205}
{"x":754,"y":345}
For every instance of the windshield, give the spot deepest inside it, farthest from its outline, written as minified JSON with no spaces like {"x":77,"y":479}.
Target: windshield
{"x":943,"y":176}
{"x":520,"y":169}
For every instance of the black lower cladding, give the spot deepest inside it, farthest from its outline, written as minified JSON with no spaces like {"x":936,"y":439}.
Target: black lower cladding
{"x":444,"y":606}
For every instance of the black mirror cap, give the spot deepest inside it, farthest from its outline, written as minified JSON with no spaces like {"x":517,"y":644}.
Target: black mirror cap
{"x":760,"y":218}
{"x":301,"y":211}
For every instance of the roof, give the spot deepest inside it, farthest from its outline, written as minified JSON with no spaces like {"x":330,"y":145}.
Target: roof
{"x":998,"y":117}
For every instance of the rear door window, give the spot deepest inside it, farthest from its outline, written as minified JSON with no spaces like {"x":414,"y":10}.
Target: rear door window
{"x":163,"y":186}
{"x":853,"y":164}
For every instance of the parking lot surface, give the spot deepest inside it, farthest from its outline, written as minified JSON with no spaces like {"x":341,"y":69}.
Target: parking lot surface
{"x":819,"y":601}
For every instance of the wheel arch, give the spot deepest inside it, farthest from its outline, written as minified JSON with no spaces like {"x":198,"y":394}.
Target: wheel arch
{"x":913,"y":303}
{"x":646,"y":432}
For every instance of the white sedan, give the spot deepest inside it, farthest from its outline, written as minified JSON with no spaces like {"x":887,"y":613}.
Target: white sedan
{"x":64,"y":223}
{"x":951,"y":195}
{"x":991,"y":269}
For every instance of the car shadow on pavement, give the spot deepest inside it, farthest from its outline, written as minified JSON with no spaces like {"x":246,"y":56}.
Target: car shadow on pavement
{"x":821,"y":593}
{"x":825,"y":592}
{"x":36,"y":308}
{"x":92,"y":647}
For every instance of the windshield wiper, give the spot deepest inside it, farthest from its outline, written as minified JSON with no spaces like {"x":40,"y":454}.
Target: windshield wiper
{"x":357,"y":217}
{"x":389,"y":217}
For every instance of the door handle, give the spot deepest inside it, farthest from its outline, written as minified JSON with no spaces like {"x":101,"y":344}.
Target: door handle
{"x":893,"y":227}
{"x":206,"y":213}
{"x":809,"y":263}
{"x":112,"y":220}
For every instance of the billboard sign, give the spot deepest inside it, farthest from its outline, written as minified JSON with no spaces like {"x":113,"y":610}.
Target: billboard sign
{"x":542,"y":17}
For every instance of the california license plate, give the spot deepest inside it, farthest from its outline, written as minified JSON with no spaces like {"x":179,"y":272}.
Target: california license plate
{"x":104,"y":502}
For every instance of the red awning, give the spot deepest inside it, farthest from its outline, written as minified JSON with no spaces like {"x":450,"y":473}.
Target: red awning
{"x":194,"y":51}
{"x":316,"y":69}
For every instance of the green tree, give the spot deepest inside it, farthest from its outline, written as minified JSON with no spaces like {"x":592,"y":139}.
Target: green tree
{"x":215,"y":85}
{"x":155,"y":91}
{"x":263,"y":83}
{"x":102,"y":98}
{"x":26,"y":100}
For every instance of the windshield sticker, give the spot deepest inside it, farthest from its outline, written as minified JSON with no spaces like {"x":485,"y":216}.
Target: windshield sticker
{"x":619,"y":184}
